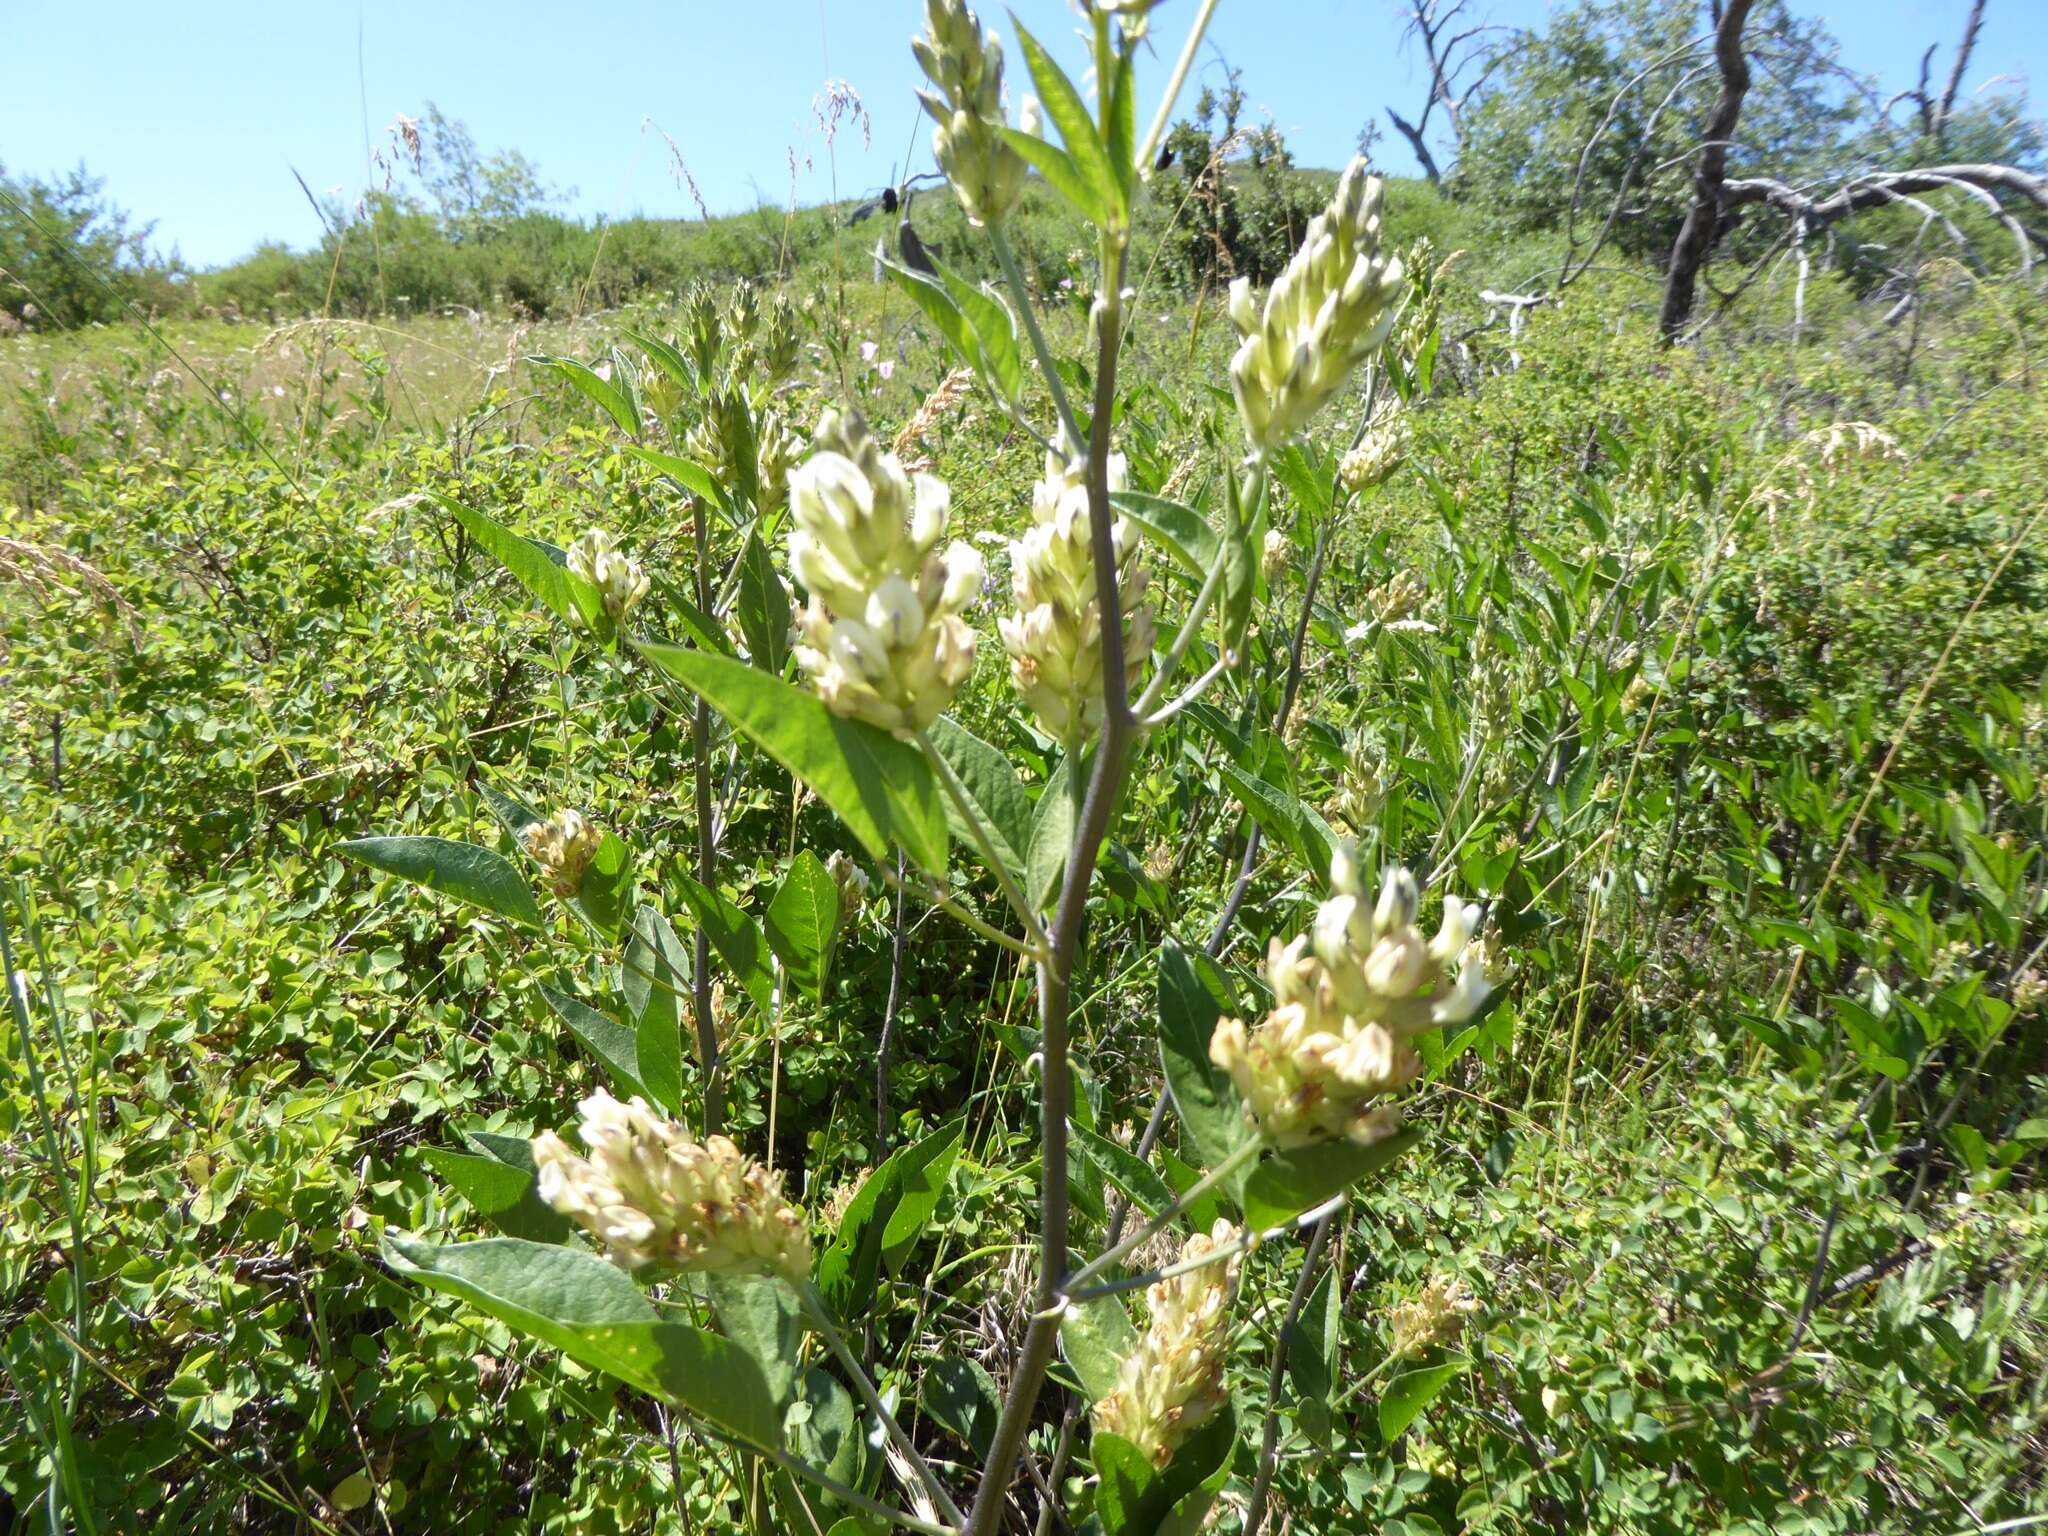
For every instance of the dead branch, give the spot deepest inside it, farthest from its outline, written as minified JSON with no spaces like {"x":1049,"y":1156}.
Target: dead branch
{"x":1703,"y":218}
{"x":1460,"y":64}
{"x":1955,"y":75}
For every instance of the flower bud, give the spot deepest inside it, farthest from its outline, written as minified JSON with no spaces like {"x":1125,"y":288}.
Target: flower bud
{"x":1274,"y":555}
{"x":651,"y":1196}
{"x":1328,"y":311}
{"x":1434,"y":1317}
{"x":1380,"y":450}
{"x":852,"y":881}
{"x":620,"y":582}
{"x":966,"y":66}
{"x":1171,"y":1383}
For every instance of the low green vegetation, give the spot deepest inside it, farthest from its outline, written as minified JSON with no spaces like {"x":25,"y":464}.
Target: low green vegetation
{"x":1717,"y":674}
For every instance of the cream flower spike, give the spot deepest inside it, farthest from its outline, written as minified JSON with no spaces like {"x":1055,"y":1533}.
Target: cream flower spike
{"x":883,"y":640}
{"x":1327,"y":312}
{"x":1172,"y":1382}
{"x":1349,"y":997}
{"x":653,"y":1197}
{"x":1055,"y":637}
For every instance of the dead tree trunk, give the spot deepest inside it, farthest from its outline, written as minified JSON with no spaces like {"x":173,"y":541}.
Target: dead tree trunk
{"x":1419,"y":144}
{"x":1696,"y":236}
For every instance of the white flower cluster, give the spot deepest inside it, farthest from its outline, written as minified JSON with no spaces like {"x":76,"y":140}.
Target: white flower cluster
{"x":883,"y":640}
{"x":966,"y":64}
{"x":1329,"y":311}
{"x":1348,"y":998}
{"x":1380,"y":450}
{"x":1055,"y":636}
{"x":652,"y":1196}
{"x":563,"y":845}
{"x":620,"y":582}
{"x":1172,"y":1382}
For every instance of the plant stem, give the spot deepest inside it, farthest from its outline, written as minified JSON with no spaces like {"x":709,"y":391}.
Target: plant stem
{"x":1246,"y":1152}
{"x":1269,"y":1448}
{"x":814,"y":1308}
{"x":1055,"y":971}
{"x":1007,"y":260}
{"x":700,"y":751}
{"x":885,"y":1048}
{"x":1179,"y":77}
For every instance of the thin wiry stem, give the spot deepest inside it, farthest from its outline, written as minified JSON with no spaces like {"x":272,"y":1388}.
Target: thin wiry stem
{"x":1269,"y":1447}
{"x":1181,"y":67}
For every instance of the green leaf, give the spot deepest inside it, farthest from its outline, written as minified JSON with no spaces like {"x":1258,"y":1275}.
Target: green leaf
{"x":1096,"y":1336}
{"x":515,"y":816}
{"x":1285,"y":819}
{"x":1181,"y":531}
{"x":847,"y":1269}
{"x":960,"y":1397}
{"x":500,"y":1187}
{"x":594,"y":1313}
{"x":461,"y":870}
{"x":707,"y":633}
{"x":655,"y":979}
{"x":991,"y":783}
{"x":762,"y":607}
{"x":540,"y":568}
{"x":1410,"y":1392}
{"x":687,"y":473}
{"x":1312,"y":1358}
{"x":607,"y":889}
{"x":1287,"y":1184}
{"x":1140,"y":1184}
{"x":803,"y":922}
{"x":616,"y":1047}
{"x":978,"y":325}
{"x":1122,"y":147}
{"x":1192,"y":997}
{"x":737,"y":938}
{"x":1066,"y":111}
{"x":927,"y":1165}
{"x":824,"y":1430}
{"x":882,"y":788}
{"x":760,"y":1315}
{"x":1052,"y":835}
{"x":1134,"y":1498}
{"x":615,"y":401}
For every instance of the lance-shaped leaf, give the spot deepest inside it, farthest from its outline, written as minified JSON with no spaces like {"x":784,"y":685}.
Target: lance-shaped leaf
{"x":960,"y":1397}
{"x":614,"y":395}
{"x":762,"y":607}
{"x":888,"y":1212}
{"x":540,"y":568}
{"x":595,"y":1314}
{"x":616,"y":1047}
{"x":1192,"y":997}
{"x":1137,"y":1499}
{"x":687,"y":473}
{"x":977,"y":324}
{"x":1066,"y":111}
{"x":1412,"y":1391}
{"x":881,"y":788}
{"x":1181,"y":531}
{"x":991,"y":784}
{"x":498,"y":1180}
{"x":737,"y":938}
{"x":461,"y":870}
{"x":1096,"y":1337}
{"x":1312,"y":1358}
{"x":803,"y":922}
{"x":655,"y":977}
{"x":1288,"y":1184}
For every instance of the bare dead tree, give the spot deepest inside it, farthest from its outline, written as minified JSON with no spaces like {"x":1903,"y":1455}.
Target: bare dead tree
{"x":1460,"y":60}
{"x":1696,"y":236}
{"x":1935,"y":115}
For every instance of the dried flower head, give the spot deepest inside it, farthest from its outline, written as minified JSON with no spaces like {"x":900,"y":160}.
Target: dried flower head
{"x":883,"y":640}
{"x":1055,"y":636}
{"x":966,"y":65}
{"x":1328,"y":312}
{"x":652,"y":1196}
{"x":620,"y":582}
{"x":1172,"y":1382}
{"x":1435,"y":1316}
{"x":1349,"y":997}
{"x":563,"y":845}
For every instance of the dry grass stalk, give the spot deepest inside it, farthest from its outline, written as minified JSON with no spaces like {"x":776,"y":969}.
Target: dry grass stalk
{"x":953,"y":388}
{"x":43,"y":569}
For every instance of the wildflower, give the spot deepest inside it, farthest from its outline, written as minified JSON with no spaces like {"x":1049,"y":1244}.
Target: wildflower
{"x":563,"y":845}
{"x":1493,"y":699}
{"x":1172,"y":1382}
{"x":852,"y":882}
{"x":1362,"y":790}
{"x":652,"y":1196}
{"x":1329,"y":311}
{"x":1434,"y":1317}
{"x":703,"y":328}
{"x":1380,"y":450}
{"x":1349,"y":997}
{"x":966,"y":64}
{"x":1273,"y":555}
{"x":775,"y":454}
{"x":742,"y":311}
{"x":1055,"y":636}
{"x":883,"y":640}
{"x":620,"y":582}
{"x":779,"y":340}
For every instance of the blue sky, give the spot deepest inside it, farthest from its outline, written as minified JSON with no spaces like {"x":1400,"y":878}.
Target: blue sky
{"x":197,"y":115}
